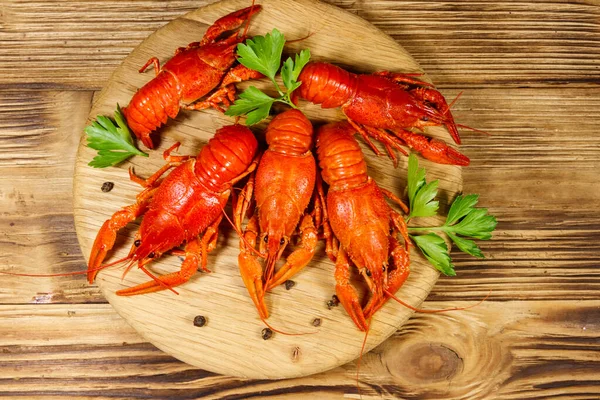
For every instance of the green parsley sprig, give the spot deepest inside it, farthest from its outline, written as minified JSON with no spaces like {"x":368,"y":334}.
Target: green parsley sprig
{"x":464,"y":221}
{"x":263,"y":54}
{"x":114,"y":143}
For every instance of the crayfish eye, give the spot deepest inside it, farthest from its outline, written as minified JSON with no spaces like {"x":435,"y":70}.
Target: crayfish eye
{"x":383,"y":269}
{"x":151,"y":255}
{"x":368,"y":273}
{"x":266,"y":239}
{"x":137,"y":243}
{"x":282,"y":241}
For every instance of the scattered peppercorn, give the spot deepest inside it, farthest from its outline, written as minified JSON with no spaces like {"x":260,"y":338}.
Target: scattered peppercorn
{"x":289,"y":284}
{"x":316,"y":322}
{"x":267,"y":333}
{"x":107,"y":186}
{"x":199,"y":320}
{"x":334,"y":302}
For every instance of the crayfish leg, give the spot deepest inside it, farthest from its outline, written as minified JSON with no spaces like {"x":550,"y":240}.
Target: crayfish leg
{"x":240,"y":73}
{"x":153,"y":61}
{"x":390,"y":195}
{"x":390,"y":142}
{"x":221,"y":96}
{"x":189,"y":266}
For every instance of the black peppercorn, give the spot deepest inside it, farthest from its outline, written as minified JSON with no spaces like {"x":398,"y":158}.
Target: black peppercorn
{"x":199,"y":320}
{"x":267,"y":333}
{"x":107,"y":186}
{"x":289,"y":284}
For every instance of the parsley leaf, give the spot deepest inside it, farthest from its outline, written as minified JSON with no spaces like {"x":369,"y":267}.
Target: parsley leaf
{"x":263,"y":54}
{"x":435,"y":250}
{"x":420,"y":193}
{"x":461,"y":207}
{"x":466,"y":246}
{"x":290,"y":71}
{"x":464,"y":220}
{"x":114,"y":144}
{"x":254,"y":103}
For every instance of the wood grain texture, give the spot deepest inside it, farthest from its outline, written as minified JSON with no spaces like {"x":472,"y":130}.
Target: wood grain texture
{"x":500,"y":43}
{"x":533,"y":86}
{"x":551,"y":346}
{"x":37,"y":161}
{"x":231,"y":341}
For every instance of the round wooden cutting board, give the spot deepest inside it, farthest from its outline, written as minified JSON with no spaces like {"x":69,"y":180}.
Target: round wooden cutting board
{"x":231,"y":343}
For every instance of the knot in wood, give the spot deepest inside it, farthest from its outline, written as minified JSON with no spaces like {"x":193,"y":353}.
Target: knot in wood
{"x":427,"y":362}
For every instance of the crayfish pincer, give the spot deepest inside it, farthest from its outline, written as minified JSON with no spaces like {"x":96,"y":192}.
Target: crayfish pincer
{"x":361,"y":229}
{"x":187,"y":206}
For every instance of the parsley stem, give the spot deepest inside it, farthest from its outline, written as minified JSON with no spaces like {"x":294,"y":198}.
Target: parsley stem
{"x":426,"y":228}
{"x":277,"y":86}
{"x":287,"y":100}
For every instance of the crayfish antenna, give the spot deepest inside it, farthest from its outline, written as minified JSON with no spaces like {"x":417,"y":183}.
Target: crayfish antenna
{"x":453,"y":102}
{"x":100,"y":268}
{"x":248,"y":20}
{"x":241,"y":235}
{"x":391,"y":295}
{"x":302,"y":38}
{"x":161,"y":283}
{"x":461,"y":125}
{"x":362,"y":352}
{"x":473,"y":129}
{"x":285,"y":333}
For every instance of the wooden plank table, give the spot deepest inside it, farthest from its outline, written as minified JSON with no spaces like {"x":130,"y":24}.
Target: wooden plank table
{"x":530,"y":75}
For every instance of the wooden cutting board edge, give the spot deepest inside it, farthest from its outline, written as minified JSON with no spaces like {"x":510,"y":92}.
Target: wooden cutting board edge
{"x":415,"y":301}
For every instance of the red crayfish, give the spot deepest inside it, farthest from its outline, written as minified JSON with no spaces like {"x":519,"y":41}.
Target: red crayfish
{"x":282,"y":186}
{"x":193,"y":72}
{"x":357,"y":225}
{"x":188,"y":203}
{"x":385,"y":101}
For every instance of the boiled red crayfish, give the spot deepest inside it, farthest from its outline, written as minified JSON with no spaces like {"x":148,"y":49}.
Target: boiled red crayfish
{"x":193,"y":72}
{"x":358,"y":223}
{"x":188,"y":203}
{"x":382,"y":102}
{"x":282,"y":187}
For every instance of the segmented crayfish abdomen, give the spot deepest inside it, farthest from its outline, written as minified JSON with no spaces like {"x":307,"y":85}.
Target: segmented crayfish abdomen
{"x":354,"y":200}
{"x":327,"y":84}
{"x":340,"y":159}
{"x":151,"y":105}
{"x":226,"y":156}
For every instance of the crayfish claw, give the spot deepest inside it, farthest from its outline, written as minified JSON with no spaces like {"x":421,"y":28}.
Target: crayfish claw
{"x":251,"y":273}
{"x":229,"y":22}
{"x":433,"y":149}
{"x":105,"y":240}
